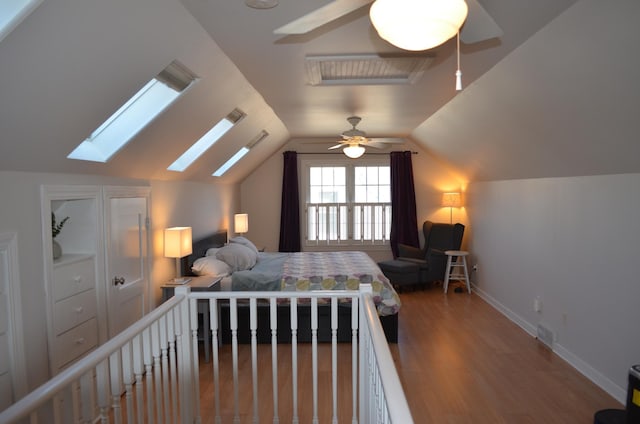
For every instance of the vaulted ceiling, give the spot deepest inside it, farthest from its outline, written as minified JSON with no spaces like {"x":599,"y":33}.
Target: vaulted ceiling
{"x":556,"y":95}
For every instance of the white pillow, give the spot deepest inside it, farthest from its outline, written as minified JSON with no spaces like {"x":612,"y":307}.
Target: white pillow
{"x":245,"y":242}
{"x":209,"y":265}
{"x":237,"y":256}
{"x":212,"y":251}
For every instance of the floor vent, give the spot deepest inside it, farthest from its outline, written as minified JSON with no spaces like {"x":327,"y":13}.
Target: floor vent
{"x":545,"y":336}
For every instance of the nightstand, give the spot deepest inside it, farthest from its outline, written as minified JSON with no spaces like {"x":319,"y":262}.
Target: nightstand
{"x":203,"y":283}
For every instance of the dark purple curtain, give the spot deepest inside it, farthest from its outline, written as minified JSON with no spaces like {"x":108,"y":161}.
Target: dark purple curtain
{"x":290,"y":209}
{"x":404,"y":224}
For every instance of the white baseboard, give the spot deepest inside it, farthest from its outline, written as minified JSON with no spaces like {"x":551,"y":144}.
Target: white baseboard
{"x":617,"y":392}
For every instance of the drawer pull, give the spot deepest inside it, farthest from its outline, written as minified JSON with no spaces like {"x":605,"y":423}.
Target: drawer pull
{"x":79,"y":310}
{"x":78,"y":279}
{"x":80,"y":341}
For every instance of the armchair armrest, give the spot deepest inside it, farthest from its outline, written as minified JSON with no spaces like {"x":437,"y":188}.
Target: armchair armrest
{"x":436,"y":252}
{"x":406,"y":251}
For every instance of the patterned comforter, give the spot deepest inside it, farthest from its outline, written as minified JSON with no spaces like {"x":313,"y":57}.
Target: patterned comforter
{"x":304,"y":271}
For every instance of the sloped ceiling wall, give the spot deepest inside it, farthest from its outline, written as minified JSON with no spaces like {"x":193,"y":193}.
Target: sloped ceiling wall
{"x":72,"y":63}
{"x":562,"y":104}
{"x":565,"y":103}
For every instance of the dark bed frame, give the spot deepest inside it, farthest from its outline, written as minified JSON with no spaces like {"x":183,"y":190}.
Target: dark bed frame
{"x":218,"y":239}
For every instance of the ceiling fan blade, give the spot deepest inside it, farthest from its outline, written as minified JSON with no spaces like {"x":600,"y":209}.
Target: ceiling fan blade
{"x":337,"y":146}
{"x":387,"y":140}
{"x":376,"y":145}
{"x":479,"y":25}
{"x":319,"y":17}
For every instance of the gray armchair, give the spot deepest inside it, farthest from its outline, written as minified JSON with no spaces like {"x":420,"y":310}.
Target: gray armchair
{"x":438,"y":238}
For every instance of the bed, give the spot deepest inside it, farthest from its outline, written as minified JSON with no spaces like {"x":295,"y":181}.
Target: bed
{"x":299,"y":271}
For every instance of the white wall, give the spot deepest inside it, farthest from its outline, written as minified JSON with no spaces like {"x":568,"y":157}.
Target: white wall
{"x":205,"y":207}
{"x":572,"y":242}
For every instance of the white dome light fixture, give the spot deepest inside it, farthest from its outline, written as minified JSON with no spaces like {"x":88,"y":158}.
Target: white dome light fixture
{"x":354,"y":151}
{"x":417,"y":24}
{"x":261,"y":4}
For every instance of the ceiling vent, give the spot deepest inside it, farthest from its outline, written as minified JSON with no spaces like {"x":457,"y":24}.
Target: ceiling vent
{"x":365,"y":69}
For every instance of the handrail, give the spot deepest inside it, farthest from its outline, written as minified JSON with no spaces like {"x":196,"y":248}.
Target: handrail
{"x":398,"y":407}
{"x":44,"y":392}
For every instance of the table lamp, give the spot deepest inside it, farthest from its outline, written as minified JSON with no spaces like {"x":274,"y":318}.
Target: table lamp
{"x":177,"y":244}
{"x":241,"y":223}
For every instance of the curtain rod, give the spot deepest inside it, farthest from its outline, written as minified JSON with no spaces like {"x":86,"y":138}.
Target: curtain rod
{"x":340,"y":153}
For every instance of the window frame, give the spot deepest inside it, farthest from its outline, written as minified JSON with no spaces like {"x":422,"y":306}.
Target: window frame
{"x":350,"y":165}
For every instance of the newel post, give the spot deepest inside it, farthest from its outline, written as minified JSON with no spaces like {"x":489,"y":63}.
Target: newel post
{"x":185,"y":367}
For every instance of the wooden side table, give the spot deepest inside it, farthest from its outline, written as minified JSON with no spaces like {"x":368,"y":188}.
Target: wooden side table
{"x":456,"y":268}
{"x":203,"y":283}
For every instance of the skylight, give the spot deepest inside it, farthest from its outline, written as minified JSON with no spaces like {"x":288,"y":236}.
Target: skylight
{"x":12,"y":12}
{"x":206,"y":141}
{"x":232,"y":161}
{"x":240,"y":154}
{"x":135,"y":114}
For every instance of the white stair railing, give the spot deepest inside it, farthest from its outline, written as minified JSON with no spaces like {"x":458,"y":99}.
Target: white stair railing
{"x":150,"y":372}
{"x":382,"y":399}
{"x":108,"y":385}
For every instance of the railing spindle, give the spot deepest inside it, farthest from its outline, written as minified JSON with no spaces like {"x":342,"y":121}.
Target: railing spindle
{"x":273,"y":321}
{"x":294,"y":356}
{"x":314,"y":355}
{"x":213,"y":318}
{"x":253,"y":326}
{"x":234,"y":349}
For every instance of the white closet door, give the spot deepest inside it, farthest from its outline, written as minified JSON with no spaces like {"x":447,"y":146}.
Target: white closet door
{"x":12,"y":369}
{"x":127,"y":259}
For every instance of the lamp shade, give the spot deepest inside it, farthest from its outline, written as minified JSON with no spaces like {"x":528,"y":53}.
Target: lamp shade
{"x":354,"y":151}
{"x":177,"y":242}
{"x":241,"y":222}
{"x":417,"y":24}
{"x":451,"y":200}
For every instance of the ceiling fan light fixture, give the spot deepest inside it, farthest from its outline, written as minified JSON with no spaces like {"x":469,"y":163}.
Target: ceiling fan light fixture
{"x":417,"y":24}
{"x":354,"y":151}
{"x":261,"y":4}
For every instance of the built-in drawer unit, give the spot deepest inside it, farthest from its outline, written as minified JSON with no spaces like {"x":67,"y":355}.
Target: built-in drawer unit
{"x":74,"y":308}
{"x":74,"y":311}
{"x":76,"y":342}
{"x":74,"y":275}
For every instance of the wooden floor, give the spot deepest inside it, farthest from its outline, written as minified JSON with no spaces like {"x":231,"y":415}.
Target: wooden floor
{"x":459,"y":360}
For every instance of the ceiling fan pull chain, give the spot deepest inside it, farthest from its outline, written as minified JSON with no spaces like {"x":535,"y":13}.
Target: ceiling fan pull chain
{"x":458,"y":72}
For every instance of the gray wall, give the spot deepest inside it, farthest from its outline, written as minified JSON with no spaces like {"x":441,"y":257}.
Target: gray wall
{"x":571,"y":242}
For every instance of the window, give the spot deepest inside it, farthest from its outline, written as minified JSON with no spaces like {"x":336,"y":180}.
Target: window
{"x":240,"y":154}
{"x":135,"y":114}
{"x":12,"y":12}
{"x":347,"y":203}
{"x":206,"y":141}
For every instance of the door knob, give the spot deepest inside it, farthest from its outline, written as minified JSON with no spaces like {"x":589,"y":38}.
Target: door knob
{"x":118,"y":280}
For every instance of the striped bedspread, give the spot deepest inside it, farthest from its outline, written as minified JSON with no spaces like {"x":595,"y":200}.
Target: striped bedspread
{"x":306,"y":271}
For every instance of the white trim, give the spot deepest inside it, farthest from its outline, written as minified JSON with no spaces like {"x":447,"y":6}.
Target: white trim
{"x":9,"y":249}
{"x":617,"y":392}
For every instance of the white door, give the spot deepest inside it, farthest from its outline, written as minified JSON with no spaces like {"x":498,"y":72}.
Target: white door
{"x":12,"y":367}
{"x":127,"y":255}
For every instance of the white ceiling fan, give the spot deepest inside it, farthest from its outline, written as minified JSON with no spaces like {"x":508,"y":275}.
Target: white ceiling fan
{"x":354,"y":141}
{"x":479,"y":25}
